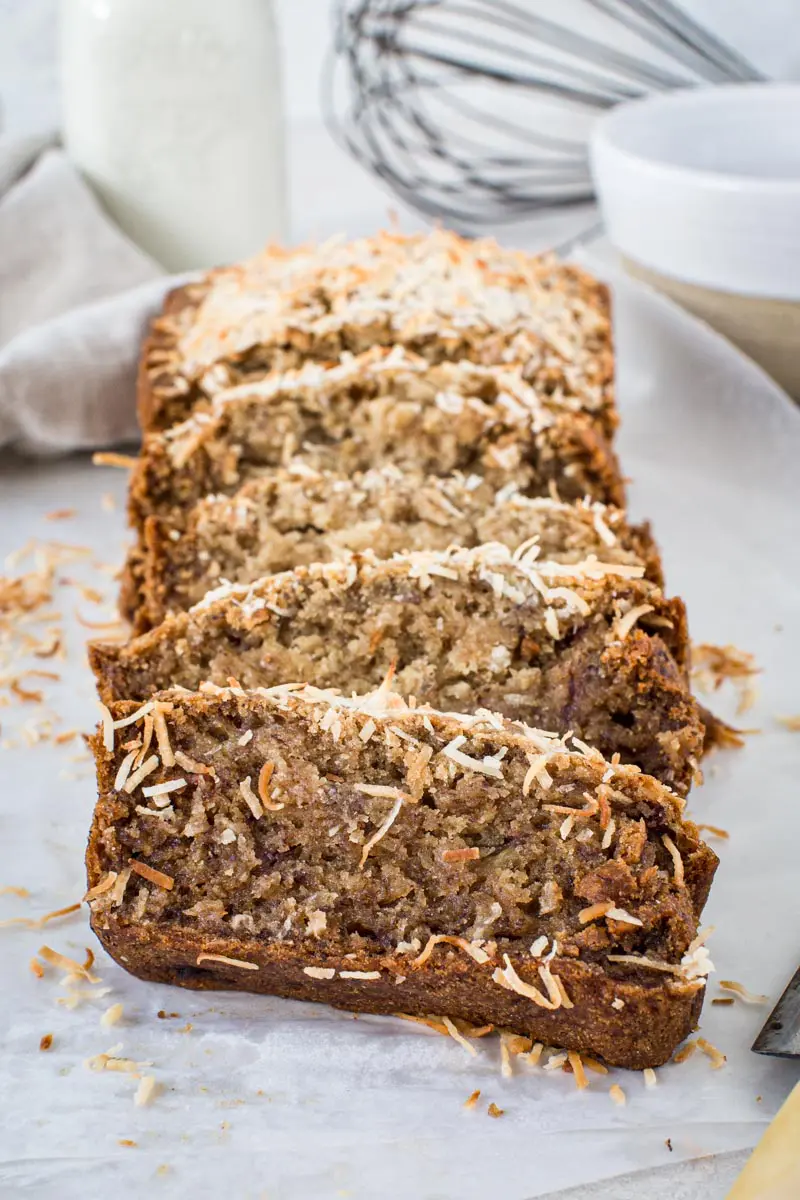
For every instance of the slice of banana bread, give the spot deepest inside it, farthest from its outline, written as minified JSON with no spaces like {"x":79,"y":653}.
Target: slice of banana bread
{"x":389,"y":859}
{"x":437,"y":294}
{"x":382,"y":407}
{"x":295,"y":517}
{"x":589,"y":647}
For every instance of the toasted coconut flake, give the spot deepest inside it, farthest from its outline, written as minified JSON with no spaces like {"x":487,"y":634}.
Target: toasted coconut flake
{"x":494,"y":1111}
{"x":144,"y":770}
{"x":27,"y":695}
{"x":696,"y":962}
{"x":123,"y":722}
{"x":565,"y":828}
{"x":486,"y":766}
{"x":250,"y":798}
{"x":64,"y":962}
{"x":475,"y":952}
{"x":536,"y":771}
{"x":715,"y":831}
{"x":109,"y":458}
{"x":738,"y":989}
{"x":652,"y":964}
{"x":152,"y":875}
{"x":359,"y":974}
{"x":718,"y":1059}
{"x":458,"y":1037}
{"x":712,"y":665}
{"x":246,"y":737}
{"x":626,"y":623}
{"x":576,"y":1063}
{"x":116,"y":623}
{"x":22,"y":892}
{"x":555,"y":987}
{"x":650,"y":1079}
{"x":170,"y":785}
{"x":555,"y":1062}
{"x":40,"y":922}
{"x":676,"y":858}
{"x":535,"y":1053}
{"x":382,"y":789}
{"x":108,"y":729}
{"x":367,"y":730}
{"x":508,"y":978}
{"x":617,"y":1095}
{"x":117,"y":892}
{"x":111,"y":1016}
{"x":593,"y":1065}
{"x":621,"y":914}
{"x":430,"y":1022}
{"x":146,"y":740}
{"x":506,"y":1069}
{"x":608,"y":836}
{"x":725,"y":1000}
{"x":227,"y":962}
{"x":472,"y":1099}
{"x":791,"y":723}
{"x":565,"y":1000}
{"x":685,"y":1051}
{"x":162,"y":736}
{"x":380,"y":832}
{"x":319,"y":972}
{"x":594,"y":911}
{"x":264,"y":776}
{"x":146,"y":1091}
{"x":461,"y":854}
{"x":124,"y":770}
{"x":192,"y":765}
{"x":46,"y":1041}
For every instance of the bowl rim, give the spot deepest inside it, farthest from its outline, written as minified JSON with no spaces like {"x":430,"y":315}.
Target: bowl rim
{"x":604,"y":137}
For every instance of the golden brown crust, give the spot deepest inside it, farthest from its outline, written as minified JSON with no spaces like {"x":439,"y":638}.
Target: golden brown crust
{"x":492,"y":298}
{"x":656,"y":1017}
{"x":154,"y":375}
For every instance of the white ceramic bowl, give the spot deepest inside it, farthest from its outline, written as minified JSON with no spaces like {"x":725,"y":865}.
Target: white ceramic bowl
{"x":703,"y":186}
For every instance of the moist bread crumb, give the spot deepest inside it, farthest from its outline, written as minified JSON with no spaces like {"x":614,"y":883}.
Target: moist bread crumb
{"x":292,"y":518}
{"x":337,"y":880}
{"x":590,"y":646}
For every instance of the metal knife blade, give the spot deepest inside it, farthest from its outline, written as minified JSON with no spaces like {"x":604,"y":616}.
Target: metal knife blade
{"x":781,"y":1034}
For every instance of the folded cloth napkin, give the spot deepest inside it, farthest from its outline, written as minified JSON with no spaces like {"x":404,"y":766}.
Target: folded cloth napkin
{"x":75,"y":298}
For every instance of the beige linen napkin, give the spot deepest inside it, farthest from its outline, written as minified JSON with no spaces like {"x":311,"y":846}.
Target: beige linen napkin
{"x":75,"y":298}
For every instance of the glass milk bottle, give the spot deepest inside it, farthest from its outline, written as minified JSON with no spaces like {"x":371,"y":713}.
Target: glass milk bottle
{"x":172,"y":111}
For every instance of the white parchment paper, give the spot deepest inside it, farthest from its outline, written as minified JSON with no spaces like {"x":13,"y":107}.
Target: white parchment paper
{"x":266,"y":1098}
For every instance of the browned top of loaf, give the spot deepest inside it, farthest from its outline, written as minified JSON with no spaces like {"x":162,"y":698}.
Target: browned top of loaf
{"x":297,"y":516}
{"x":586,"y":831}
{"x":436,"y":293}
{"x":380,"y":407}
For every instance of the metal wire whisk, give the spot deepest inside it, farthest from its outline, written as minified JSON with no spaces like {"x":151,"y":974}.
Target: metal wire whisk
{"x":478,"y":111}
